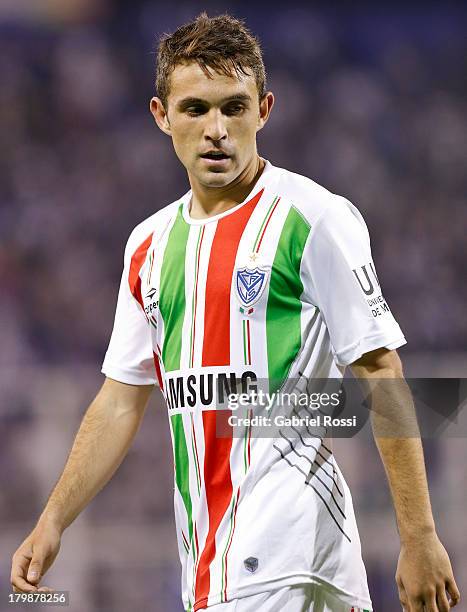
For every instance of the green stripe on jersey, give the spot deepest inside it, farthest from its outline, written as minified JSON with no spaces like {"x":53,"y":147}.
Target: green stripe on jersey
{"x":182,"y":477}
{"x":172,"y":292}
{"x":283,"y":329}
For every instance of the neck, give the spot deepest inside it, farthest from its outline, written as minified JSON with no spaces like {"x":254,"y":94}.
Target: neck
{"x":209,"y":201}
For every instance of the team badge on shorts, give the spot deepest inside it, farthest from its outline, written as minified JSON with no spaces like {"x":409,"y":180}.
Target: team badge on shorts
{"x":250,"y":285}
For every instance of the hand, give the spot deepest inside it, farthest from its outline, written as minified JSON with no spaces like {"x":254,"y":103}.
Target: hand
{"x":34,"y":557}
{"x":423,"y":576}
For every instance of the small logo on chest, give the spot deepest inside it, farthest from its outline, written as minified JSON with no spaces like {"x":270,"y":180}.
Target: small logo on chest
{"x":150,"y":302}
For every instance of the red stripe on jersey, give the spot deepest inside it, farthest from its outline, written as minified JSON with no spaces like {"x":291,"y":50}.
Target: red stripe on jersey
{"x":248,"y":340}
{"x":229,"y":230}
{"x":250,"y":413}
{"x":136,"y":264}
{"x":267,"y":223}
{"x":230,"y":544}
{"x":218,"y":486}
{"x":158,"y":370}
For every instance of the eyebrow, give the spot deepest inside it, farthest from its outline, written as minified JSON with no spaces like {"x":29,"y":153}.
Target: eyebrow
{"x":185,"y":102}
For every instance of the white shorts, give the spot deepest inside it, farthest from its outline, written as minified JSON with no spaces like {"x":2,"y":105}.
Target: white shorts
{"x":296,"y":598}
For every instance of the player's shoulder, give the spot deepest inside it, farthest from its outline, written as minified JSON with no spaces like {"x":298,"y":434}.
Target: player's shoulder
{"x":156,"y":222}
{"x":314,"y":201}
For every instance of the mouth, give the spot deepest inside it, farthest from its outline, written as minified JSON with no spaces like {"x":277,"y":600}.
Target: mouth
{"x":215,"y":157}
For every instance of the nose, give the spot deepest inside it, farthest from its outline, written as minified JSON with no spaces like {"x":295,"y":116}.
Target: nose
{"x":215,"y":128}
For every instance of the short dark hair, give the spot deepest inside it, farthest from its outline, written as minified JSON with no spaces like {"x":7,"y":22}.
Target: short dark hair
{"x":222,"y":43}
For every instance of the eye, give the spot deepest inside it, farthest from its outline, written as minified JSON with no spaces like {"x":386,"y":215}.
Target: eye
{"x":234,"y":109}
{"x":195,"y":110}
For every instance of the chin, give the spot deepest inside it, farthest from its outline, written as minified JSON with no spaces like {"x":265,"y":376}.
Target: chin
{"x":215,"y":179}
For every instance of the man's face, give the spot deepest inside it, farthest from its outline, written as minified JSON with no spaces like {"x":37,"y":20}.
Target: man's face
{"x":212,"y":122}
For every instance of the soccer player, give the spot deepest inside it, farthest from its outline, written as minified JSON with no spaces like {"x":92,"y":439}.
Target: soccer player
{"x":256,"y":273}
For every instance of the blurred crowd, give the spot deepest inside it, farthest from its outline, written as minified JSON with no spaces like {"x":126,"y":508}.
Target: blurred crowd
{"x":370,"y":102}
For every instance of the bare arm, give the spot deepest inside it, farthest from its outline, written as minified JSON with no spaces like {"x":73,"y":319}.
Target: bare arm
{"x":424,"y":571}
{"x":103,"y":439}
{"x":399,"y":446}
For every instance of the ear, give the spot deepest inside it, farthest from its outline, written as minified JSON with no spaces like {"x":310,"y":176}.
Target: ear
{"x":160,"y":116}
{"x":265,"y":107}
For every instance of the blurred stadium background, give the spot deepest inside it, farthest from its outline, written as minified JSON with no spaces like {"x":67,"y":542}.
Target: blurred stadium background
{"x":371,"y":101}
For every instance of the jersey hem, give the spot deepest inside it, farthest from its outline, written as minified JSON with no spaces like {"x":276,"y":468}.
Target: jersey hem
{"x":293,"y":579}
{"x":354,"y":351}
{"x":129,"y":377}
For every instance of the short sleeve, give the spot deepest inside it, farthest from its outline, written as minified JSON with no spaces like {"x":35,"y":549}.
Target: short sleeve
{"x":129,"y":357}
{"x":342,"y":282}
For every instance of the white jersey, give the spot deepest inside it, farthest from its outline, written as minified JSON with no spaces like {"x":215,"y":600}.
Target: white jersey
{"x":280,"y":288}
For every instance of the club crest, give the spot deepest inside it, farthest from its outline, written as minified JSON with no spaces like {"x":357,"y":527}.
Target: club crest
{"x":250,"y":285}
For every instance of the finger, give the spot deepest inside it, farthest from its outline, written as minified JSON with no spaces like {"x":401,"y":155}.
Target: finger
{"x":19,"y":565}
{"x":35,"y":567}
{"x":44,"y":589}
{"x":21,"y":586}
{"x":415,"y":605}
{"x":18,"y":582}
{"x":441,"y":598}
{"x":453,"y":591}
{"x":431,"y":605}
{"x":403,"y":597}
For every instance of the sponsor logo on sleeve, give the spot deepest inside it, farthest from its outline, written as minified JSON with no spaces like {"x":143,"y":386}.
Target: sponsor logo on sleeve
{"x":369,"y":284}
